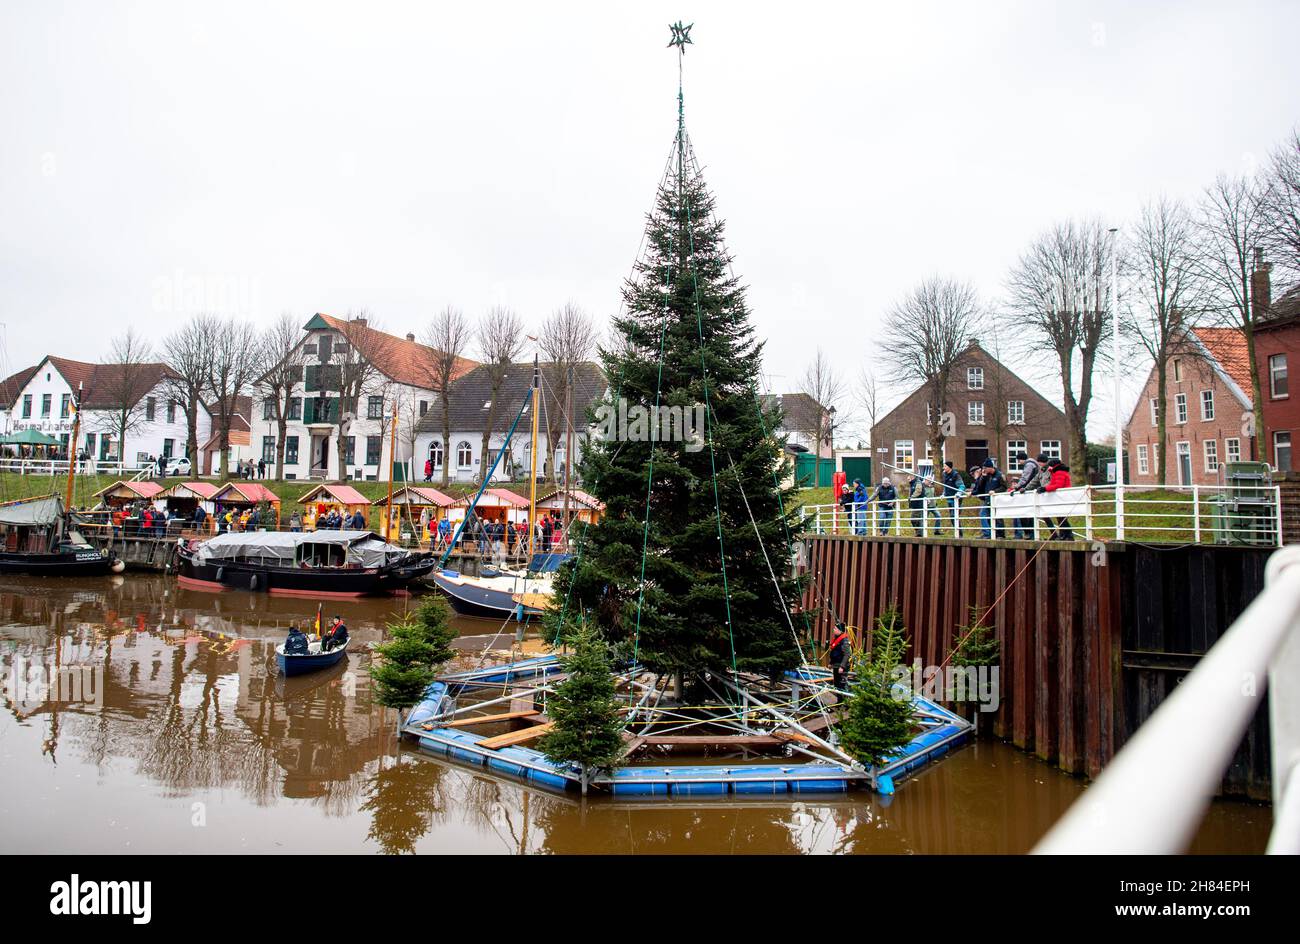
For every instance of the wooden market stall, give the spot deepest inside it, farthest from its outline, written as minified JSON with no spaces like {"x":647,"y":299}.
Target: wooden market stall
{"x":583,"y":506}
{"x":421,"y":505}
{"x":123,"y":493}
{"x":320,"y":500}
{"x":184,"y":497}
{"x":244,"y":496}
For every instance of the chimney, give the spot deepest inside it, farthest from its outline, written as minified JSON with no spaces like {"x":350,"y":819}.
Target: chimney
{"x":360,"y":322}
{"x":410,"y":336}
{"x":1261,"y":286}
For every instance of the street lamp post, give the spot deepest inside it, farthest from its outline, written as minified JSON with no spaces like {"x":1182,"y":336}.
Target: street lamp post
{"x":1115,"y":348}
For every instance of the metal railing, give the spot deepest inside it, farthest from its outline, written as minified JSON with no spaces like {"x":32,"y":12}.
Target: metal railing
{"x":1153,"y":795}
{"x":54,"y":467}
{"x":1192,"y":514}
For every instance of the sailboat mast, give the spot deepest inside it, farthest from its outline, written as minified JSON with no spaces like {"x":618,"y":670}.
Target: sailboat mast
{"x":568,"y":451}
{"x":532,"y":474}
{"x":72,"y":447}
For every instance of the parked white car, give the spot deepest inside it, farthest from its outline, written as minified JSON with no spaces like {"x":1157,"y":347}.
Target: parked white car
{"x":178,"y":466}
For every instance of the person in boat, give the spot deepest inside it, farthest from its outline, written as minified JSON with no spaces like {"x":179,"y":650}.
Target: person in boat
{"x":335,"y":636}
{"x":839,"y":655}
{"x":296,"y":643}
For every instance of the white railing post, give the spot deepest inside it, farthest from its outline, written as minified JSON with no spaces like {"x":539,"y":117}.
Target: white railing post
{"x":925,"y":518}
{"x":1119,"y":512}
{"x":1196,"y":513}
{"x":1277,"y":507}
{"x":1087,"y":512}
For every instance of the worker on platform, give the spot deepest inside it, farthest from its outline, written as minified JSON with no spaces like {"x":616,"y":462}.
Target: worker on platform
{"x":838,"y":655}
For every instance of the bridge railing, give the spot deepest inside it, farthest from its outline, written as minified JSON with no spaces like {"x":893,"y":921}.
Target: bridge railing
{"x":1153,"y":795}
{"x":1194,"y":514}
{"x":56,"y":467}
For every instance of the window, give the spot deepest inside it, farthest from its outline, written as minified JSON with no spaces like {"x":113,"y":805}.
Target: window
{"x":1277,"y":376}
{"x":1178,"y":370}
{"x":1016,"y":412}
{"x":65,"y":406}
{"x":107,"y":451}
{"x":974,"y":378}
{"x":290,"y":450}
{"x":375,"y":408}
{"x":1207,"y":404}
{"x":904,"y":456}
{"x":143,"y":458}
{"x":90,"y":444}
{"x":268,"y":448}
{"x":169,"y":445}
{"x":1052,"y":447}
{"x":435,"y":453}
{"x":45,"y":404}
{"x":464,"y":455}
{"x":1014,"y":448}
{"x":150,"y":408}
{"x":325,"y":346}
{"x":424,"y":407}
{"x":975,"y":413}
{"x":27,"y":406}
{"x":171,"y":411}
{"x":1211,"y":449}
{"x":1232,"y":450}
{"x":1144,"y":460}
{"x":295,"y":408}
{"x":374,"y":444}
{"x":1282,"y":450}
{"x":350,"y":451}
{"x":1155,"y":412}
{"x":268,"y":409}
{"x":1180,"y":408}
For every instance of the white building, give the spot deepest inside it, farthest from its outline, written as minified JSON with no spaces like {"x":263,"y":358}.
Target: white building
{"x":43,"y":396}
{"x":470,"y":413}
{"x":397,"y":377}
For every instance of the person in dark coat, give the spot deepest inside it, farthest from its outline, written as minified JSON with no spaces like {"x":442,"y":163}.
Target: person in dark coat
{"x":296,"y":643}
{"x":335,"y":636}
{"x":886,"y":499}
{"x":839,"y":656}
{"x":989,"y":483}
{"x":954,"y":487}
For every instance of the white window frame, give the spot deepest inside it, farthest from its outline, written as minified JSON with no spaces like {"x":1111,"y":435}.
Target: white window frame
{"x":1180,"y":409}
{"x":1232,"y":449}
{"x":1287,"y":433}
{"x":974,"y":378}
{"x":464,"y":449}
{"x":1014,"y":448}
{"x":975,"y":413}
{"x":1207,"y":405}
{"x":1178,"y":370}
{"x":1155,"y":411}
{"x":905,"y":455}
{"x":1210,"y":452}
{"x":1277,"y":364}
{"x":1144,"y":459}
{"x":1016,"y":412}
{"x":1052,"y":447}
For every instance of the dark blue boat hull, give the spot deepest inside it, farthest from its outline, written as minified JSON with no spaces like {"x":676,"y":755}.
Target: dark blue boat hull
{"x":301,"y":665}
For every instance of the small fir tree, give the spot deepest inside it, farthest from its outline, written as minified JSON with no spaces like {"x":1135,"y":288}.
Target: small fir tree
{"x":584,"y":707}
{"x":976,"y":643}
{"x":433,"y":616}
{"x":878,"y":720}
{"x":405,"y":668}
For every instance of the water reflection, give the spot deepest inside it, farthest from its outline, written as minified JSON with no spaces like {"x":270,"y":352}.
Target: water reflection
{"x":188,"y":711}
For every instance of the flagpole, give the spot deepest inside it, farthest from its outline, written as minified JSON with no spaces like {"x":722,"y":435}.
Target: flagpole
{"x":72,"y":447}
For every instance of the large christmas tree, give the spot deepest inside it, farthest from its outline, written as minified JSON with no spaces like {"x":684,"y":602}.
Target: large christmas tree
{"x":676,"y":571}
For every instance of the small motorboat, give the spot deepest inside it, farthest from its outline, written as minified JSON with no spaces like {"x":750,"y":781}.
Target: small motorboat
{"x":313,"y":660}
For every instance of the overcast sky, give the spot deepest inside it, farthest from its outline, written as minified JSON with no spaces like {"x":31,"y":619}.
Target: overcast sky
{"x":158,"y":158}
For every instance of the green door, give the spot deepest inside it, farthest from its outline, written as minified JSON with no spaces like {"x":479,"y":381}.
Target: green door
{"x":856,"y":467}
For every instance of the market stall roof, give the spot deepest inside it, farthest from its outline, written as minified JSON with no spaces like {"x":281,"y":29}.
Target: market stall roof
{"x":417,"y":495}
{"x":555,"y":498}
{"x":32,"y":511}
{"x":199,"y":490}
{"x":250,"y":492}
{"x":123,"y":489}
{"x":337,"y":492}
{"x":496,"y":498}
{"x":29,"y":437}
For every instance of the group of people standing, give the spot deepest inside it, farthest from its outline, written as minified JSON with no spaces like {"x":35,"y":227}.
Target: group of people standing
{"x":942,"y":498}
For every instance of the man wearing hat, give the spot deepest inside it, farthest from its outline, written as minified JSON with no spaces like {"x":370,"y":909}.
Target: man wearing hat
{"x":845,"y":501}
{"x":989,"y":483}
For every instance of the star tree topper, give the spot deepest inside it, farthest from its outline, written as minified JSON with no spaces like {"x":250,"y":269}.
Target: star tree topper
{"x":681,"y":36}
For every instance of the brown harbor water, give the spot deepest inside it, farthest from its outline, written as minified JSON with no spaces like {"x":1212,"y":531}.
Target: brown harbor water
{"x":193,"y":743}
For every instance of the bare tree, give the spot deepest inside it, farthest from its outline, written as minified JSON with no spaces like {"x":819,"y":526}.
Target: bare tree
{"x":448,"y":335}
{"x":1160,"y":267}
{"x":1281,"y":200}
{"x":1059,"y":290}
{"x":824,"y":385}
{"x":1230,"y":228}
{"x":929,"y":332}
{"x":500,"y":342}
{"x":188,"y":352}
{"x":281,"y":352}
{"x":122,"y":384}
{"x":568,"y":338}
{"x":355,"y":365}
{"x":235,"y":364}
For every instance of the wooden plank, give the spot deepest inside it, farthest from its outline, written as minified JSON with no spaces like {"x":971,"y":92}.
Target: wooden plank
{"x":1092,"y":669}
{"x":1022,"y":634}
{"x":1069,"y":668}
{"x":489,"y":719}
{"x":1045,"y":655}
{"x":1003,"y":717}
{"x":516,"y":737}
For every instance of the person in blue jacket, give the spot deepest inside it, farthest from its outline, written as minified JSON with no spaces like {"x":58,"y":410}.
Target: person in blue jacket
{"x":954,"y":487}
{"x":296,"y":643}
{"x":860,"y":500}
{"x":886,"y":497}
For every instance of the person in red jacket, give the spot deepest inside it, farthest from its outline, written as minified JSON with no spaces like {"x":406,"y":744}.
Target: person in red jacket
{"x":1060,"y":479}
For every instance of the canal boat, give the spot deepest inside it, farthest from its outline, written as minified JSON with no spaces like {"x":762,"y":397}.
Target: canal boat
{"x":39,"y":537}
{"x":314,"y":563}
{"x":498,"y":592}
{"x":313,"y":660}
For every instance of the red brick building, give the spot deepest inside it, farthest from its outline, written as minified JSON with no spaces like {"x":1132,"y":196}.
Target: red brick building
{"x":1277,"y":349}
{"x":995,"y":413}
{"x":1208,"y":398}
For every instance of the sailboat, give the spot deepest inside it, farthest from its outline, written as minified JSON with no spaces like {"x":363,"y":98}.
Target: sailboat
{"x":501,"y":592}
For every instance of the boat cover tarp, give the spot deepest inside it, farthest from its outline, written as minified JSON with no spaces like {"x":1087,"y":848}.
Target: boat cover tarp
{"x":36,"y":511}
{"x":546,"y":563}
{"x":362,"y":548}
